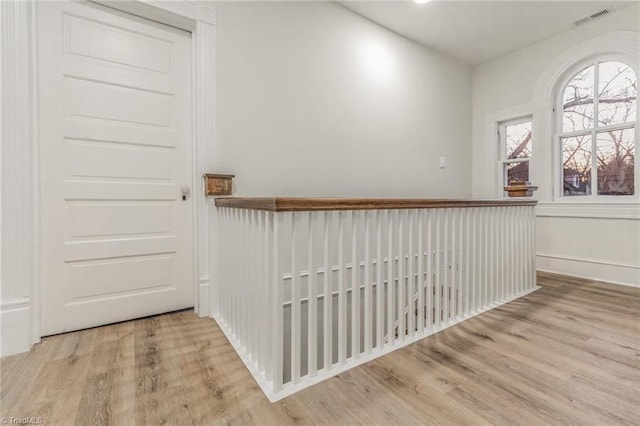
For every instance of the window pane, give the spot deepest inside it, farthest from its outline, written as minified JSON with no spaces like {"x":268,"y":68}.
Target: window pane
{"x":518,"y":137}
{"x":616,"y":152}
{"x":577,"y":102}
{"x":576,"y":165}
{"x":516,"y":172}
{"x":618,"y":91}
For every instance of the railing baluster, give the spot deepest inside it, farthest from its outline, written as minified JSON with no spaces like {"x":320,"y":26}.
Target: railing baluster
{"x":430,"y":265}
{"x":244,"y":305}
{"x":514,"y":253}
{"x":521,"y":238}
{"x":497,"y":297}
{"x":312,"y":304}
{"x":454,"y":265}
{"x":525,"y":247}
{"x":507,"y":252}
{"x":268,"y":277}
{"x":262,"y":291}
{"x":485,"y":257}
{"x":390,"y":280}
{"x":230,"y":266}
{"x":446,"y":267}
{"x":467,"y":265}
{"x":438,"y":282}
{"x":499,"y":264}
{"x":505,"y":249}
{"x":342,"y":293}
{"x":401,"y":274}
{"x":410,"y":276}
{"x":420,"y":282}
{"x":225,"y":234}
{"x":296,"y":318}
{"x":504,"y":225}
{"x":480,"y":267}
{"x":461,"y":261}
{"x":222,"y":289}
{"x":368,"y":321}
{"x":237,"y":311}
{"x":475,"y":271}
{"x":379,"y":284}
{"x":277,"y":307}
{"x":249,"y":293}
{"x":525,"y":250}
{"x":492,"y":257}
{"x":355,"y":288}
{"x":328,"y":297}
{"x":500,"y":250}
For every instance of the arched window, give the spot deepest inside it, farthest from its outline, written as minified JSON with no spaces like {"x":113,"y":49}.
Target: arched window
{"x":596,"y":129}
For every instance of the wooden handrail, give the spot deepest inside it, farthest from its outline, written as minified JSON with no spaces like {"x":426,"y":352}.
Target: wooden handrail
{"x":290,"y":204}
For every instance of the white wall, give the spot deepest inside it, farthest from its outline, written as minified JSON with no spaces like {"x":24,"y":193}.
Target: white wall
{"x":600,"y":248}
{"x":314,"y":100}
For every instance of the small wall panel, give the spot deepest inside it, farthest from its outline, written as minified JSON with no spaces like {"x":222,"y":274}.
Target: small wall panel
{"x":113,"y":44}
{"x":87,"y":279}
{"x":92,"y":159}
{"x":112,"y":219}
{"x":110,"y":102}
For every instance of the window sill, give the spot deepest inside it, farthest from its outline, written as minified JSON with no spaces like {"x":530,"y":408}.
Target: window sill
{"x":596,"y":210}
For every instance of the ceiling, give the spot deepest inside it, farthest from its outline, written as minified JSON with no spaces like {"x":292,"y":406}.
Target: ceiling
{"x":477,"y":31}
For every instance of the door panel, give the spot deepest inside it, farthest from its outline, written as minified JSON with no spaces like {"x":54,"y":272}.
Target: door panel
{"x":117,"y":45}
{"x":105,"y":101}
{"x":102,"y":277}
{"x":100,"y":160}
{"x":115,"y":138}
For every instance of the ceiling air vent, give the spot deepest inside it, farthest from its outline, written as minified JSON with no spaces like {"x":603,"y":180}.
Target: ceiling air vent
{"x":593,"y":16}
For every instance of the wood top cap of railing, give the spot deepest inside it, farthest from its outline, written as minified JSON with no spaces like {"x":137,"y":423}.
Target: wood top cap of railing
{"x":291,"y":204}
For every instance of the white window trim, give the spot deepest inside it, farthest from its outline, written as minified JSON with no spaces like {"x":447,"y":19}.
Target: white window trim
{"x":589,"y":210}
{"x":558,"y":180}
{"x":623,"y":43}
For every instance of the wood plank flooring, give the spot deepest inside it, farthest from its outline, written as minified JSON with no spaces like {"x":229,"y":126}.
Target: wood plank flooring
{"x":568,"y":354}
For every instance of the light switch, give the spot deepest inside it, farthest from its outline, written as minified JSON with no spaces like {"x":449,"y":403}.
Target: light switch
{"x":442,"y":162}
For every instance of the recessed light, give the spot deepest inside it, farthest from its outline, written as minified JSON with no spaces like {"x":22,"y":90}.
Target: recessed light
{"x":421,"y":1}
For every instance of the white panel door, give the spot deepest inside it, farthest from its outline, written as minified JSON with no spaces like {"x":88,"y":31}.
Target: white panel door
{"x":115,"y":141}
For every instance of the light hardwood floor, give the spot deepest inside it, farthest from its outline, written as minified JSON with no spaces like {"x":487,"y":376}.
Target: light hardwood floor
{"x":566,"y":354}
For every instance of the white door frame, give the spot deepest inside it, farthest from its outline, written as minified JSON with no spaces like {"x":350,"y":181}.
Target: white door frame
{"x":20,"y":226}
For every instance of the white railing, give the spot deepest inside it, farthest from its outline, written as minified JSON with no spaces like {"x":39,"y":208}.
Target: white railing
{"x":393,"y":276}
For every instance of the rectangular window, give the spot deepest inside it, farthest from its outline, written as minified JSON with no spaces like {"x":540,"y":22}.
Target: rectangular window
{"x":515,"y":138}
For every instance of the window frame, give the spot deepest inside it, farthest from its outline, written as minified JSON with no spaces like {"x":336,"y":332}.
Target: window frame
{"x":558,"y":135}
{"x":502,"y":149}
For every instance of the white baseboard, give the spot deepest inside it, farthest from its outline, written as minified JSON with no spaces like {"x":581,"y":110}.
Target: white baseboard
{"x":592,"y":269}
{"x":14,"y":325}
{"x":204,"y":308}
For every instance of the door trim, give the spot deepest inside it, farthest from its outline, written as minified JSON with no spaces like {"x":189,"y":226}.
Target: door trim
{"x":20,"y":146}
